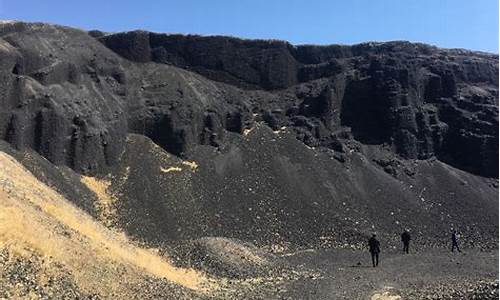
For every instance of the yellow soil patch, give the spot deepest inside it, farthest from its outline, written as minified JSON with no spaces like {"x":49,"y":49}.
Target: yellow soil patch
{"x":105,"y":206}
{"x":192,"y":164}
{"x":170,"y":169}
{"x":34,"y":216}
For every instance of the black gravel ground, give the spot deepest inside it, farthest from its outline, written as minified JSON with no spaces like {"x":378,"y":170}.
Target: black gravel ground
{"x":28,"y":277}
{"x":433,"y":274}
{"x":306,"y":274}
{"x":450,"y":196}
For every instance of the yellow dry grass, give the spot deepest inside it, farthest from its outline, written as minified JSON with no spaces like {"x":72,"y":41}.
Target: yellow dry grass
{"x":35,"y":217}
{"x":105,"y":206}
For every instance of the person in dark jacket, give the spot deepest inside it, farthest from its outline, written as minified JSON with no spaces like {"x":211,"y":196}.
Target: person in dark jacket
{"x":374,"y":247}
{"x":454,"y":241}
{"x":406,"y":238}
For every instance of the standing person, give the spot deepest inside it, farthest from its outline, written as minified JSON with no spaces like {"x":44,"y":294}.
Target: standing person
{"x":454,"y":241}
{"x":406,"y":238}
{"x":374,"y":246}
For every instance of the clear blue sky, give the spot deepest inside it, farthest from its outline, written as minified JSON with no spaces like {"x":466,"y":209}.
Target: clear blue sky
{"x":471,"y":24}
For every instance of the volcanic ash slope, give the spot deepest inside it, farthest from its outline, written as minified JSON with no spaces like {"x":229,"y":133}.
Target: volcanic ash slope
{"x":60,"y":244}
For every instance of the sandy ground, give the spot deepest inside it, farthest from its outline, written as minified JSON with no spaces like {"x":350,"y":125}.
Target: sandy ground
{"x":432,"y":274}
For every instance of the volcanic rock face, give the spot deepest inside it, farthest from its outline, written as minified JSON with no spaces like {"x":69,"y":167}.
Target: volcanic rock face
{"x":61,"y":96}
{"x":421,"y":100}
{"x":217,"y":151}
{"x":292,"y":141}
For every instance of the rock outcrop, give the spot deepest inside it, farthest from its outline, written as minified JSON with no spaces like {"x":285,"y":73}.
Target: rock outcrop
{"x":74,"y":100}
{"x":61,"y":95}
{"x":421,"y":100}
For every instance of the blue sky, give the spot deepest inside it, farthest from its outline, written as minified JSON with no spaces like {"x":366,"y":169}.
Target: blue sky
{"x":471,"y":24}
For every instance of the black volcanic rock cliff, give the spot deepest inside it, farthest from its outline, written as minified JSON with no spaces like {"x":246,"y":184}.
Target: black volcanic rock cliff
{"x":270,"y":124}
{"x":421,"y":100}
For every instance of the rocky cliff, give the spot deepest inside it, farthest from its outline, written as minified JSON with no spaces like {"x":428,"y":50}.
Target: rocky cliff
{"x":420,"y":100}
{"x":73,"y":100}
{"x":258,"y":140}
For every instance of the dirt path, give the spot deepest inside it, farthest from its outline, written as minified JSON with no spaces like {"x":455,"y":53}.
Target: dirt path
{"x":349,"y":274}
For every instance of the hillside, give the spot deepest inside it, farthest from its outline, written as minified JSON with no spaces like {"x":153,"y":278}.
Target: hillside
{"x":226,"y":155}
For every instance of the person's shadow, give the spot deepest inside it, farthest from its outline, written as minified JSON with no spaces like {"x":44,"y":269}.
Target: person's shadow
{"x":361,"y":266}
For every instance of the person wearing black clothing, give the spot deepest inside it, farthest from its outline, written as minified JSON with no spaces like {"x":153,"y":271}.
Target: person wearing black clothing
{"x":374,"y":247}
{"x":405,"y":238}
{"x":454,"y":241}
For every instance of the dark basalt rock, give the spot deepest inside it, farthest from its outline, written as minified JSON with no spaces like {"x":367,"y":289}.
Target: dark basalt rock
{"x":69,"y":97}
{"x":397,"y":93}
{"x":59,"y":96}
{"x":132,"y":45}
{"x":379,"y":120}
